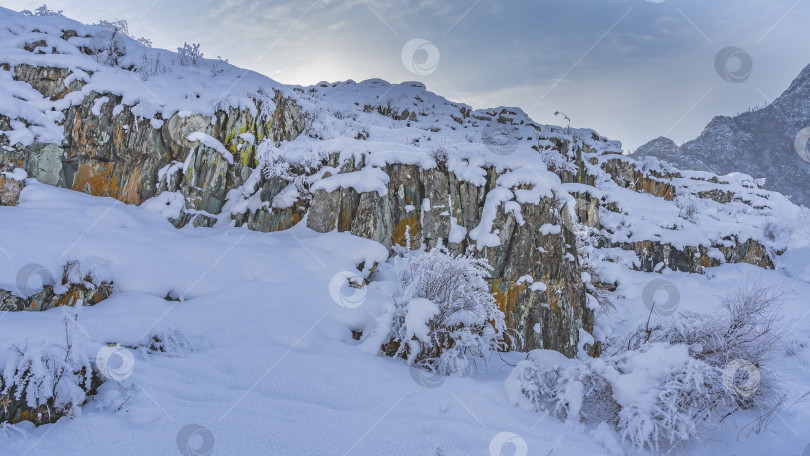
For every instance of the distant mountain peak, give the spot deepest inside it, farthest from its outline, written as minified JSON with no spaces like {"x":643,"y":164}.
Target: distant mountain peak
{"x":759,"y":142}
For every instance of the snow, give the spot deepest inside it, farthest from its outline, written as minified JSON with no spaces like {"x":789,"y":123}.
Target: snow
{"x":211,"y":142}
{"x":368,"y":179}
{"x":263,"y":356}
{"x":18,"y":174}
{"x":418,"y":314}
{"x":266,"y":342}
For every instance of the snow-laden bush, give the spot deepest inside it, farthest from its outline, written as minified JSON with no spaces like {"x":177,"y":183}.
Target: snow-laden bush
{"x":669,"y":378}
{"x":51,"y":379}
{"x":568,"y":389}
{"x":121,"y":26}
{"x":42,"y":11}
{"x":445,"y":319}
{"x":190,"y":54}
{"x":151,"y":64}
{"x":111,"y":48}
{"x":276,"y":164}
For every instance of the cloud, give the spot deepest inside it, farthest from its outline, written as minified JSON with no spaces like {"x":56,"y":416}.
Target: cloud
{"x":628,"y":68}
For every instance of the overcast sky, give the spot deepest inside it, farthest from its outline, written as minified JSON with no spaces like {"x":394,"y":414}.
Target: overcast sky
{"x":631,"y":69}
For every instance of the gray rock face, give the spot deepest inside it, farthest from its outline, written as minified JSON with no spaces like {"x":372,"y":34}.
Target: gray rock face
{"x":117,"y":154}
{"x":761,"y":143}
{"x":548,"y":316}
{"x":50,"y":82}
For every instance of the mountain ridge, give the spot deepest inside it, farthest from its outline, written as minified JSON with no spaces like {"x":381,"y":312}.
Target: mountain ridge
{"x":761,"y":143}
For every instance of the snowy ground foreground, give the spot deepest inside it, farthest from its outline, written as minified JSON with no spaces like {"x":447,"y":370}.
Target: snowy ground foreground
{"x":270,"y":366}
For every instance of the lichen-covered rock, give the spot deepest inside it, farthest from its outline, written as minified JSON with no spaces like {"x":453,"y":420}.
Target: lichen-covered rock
{"x":10,"y":190}
{"x":14,"y":409}
{"x":653,"y":256}
{"x":535,"y":277}
{"x":109,"y":151}
{"x":627,"y":175}
{"x":48,"y":81}
{"x":47,"y":298}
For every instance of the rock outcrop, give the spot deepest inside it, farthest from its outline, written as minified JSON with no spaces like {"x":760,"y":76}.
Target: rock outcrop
{"x":86,"y":293}
{"x":535,"y":276}
{"x":106,"y":148}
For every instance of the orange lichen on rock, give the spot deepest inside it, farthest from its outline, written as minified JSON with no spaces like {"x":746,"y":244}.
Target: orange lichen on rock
{"x":406,"y":226}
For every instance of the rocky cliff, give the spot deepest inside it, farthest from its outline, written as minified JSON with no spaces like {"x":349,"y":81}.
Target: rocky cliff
{"x":384,"y":162}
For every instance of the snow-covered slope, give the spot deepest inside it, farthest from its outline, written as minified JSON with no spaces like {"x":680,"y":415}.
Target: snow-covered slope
{"x":227,"y":213}
{"x":769,"y":143}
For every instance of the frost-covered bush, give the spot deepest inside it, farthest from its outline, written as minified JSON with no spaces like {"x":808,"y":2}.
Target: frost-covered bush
{"x":445,"y":319}
{"x":51,"y":379}
{"x":568,"y":389}
{"x":112,"y":48}
{"x":687,"y":207}
{"x":121,"y":26}
{"x":666,"y":382}
{"x":190,"y":54}
{"x":151,"y":64}
{"x":276,"y":164}
{"x":42,"y":11}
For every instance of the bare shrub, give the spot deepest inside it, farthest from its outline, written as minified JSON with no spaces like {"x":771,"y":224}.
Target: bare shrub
{"x":42,"y":11}
{"x":688,"y":207}
{"x":190,"y":54}
{"x":151,"y":65}
{"x":112,"y":49}
{"x":771,"y":230}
